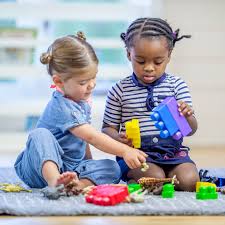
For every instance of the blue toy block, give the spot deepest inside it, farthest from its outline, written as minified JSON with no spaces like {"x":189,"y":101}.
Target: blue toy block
{"x":165,"y":122}
{"x":220,"y":182}
{"x":169,"y":120}
{"x":181,"y":121}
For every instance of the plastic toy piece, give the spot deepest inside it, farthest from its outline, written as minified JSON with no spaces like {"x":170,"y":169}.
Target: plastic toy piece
{"x":133,"y":132}
{"x":169,"y":120}
{"x":168,"y":191}
{"x":107,"y":194}
{"x":12,"y":188}
{"x":137,"y":196}
{"x":155,"y":184}
{"x":54,"y":193}
{"x":134,"y":187}
{"x":69,"y":189}
{"x":182,"y":123}
{"x":203,"y":184}
{"x":206,"y":178}
{"x":220,"y":182}
{"x":165,"y":121}
{"x":144,"y":167}
{"x":136,"y":193}
{"x":207,"y":193}
{"x":221,"y":190}
{"x":149,"y":181}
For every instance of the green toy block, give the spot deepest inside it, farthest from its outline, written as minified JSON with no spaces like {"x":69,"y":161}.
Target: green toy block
{"x":134,"y":187}
{"x":168,"y":191}
{"x":207,"y":193}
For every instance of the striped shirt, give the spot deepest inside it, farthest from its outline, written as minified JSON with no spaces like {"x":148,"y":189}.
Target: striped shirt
{"x":126,"y":101}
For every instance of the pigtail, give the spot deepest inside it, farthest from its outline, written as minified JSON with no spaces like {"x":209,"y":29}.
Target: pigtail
{"x":176,"y":36}
{"x":123,"y":36}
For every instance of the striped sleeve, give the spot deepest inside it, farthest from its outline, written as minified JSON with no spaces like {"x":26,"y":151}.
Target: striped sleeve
{"x":182,"y":92}
{"x":112,"y":114}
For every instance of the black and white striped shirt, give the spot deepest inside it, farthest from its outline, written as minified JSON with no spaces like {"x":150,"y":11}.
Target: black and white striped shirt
{"x":126,"y":101}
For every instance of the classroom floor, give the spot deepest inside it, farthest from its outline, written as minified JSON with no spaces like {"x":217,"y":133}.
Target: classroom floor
{"x":207,"y":157}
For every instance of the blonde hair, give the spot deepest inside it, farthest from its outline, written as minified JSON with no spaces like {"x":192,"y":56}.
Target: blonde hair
{"x":68,"y":53}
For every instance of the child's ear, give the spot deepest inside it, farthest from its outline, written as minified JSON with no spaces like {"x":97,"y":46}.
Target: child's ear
{"x":57,"y":80}
{"x":128,"y":55}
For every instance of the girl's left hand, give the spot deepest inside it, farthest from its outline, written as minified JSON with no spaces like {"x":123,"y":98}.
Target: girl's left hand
{"x":185,"y":109}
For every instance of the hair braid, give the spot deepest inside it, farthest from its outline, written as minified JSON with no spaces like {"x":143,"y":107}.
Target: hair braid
{"x":151,"y":27}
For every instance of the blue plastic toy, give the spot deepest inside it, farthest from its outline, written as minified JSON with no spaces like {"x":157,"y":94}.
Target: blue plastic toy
{"x":169,"y":121}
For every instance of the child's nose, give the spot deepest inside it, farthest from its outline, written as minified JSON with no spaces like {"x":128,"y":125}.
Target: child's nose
{"x":149,"y":67}
{"x":92,"y":85}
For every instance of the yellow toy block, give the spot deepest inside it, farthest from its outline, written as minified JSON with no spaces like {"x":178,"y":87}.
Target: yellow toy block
{"x":203,"y":184}
{"x":133,"y":132}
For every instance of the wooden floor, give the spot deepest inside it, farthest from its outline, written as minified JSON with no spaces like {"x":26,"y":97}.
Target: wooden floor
{"x":119,"y":220}
{"x":210,"y":158}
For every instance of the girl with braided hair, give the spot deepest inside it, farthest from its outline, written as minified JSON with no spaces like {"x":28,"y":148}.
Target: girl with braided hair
{"x":56,"y":150}
{"x":149,"y":43}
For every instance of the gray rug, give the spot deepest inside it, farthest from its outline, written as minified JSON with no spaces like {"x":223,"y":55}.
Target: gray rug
{"x":34,"y":204}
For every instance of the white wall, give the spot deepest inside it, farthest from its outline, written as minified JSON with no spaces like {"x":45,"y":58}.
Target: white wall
{"x":201,"y":62}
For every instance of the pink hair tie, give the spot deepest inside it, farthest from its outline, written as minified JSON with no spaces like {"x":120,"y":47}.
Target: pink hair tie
{"x":53,"y":86}
{"x":57,"y":88}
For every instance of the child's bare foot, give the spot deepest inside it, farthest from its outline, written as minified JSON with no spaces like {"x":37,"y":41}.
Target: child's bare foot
{"x":71,"y":183}
{"x":66,"y":177}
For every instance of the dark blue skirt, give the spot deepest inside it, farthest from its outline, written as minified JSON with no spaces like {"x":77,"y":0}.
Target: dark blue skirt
{"x":160,"y":151}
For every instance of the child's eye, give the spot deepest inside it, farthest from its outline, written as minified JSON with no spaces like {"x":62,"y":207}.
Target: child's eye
{"x":158,"y":63}
{"x":83,"y":83}
{"x":140,"y":62}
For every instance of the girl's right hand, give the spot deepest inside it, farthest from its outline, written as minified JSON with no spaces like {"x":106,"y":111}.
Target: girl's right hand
{"x":134,"y":158}
{"x":122,"y":137}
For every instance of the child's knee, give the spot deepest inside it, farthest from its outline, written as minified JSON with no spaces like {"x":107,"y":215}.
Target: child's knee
{"x":188,"y":182}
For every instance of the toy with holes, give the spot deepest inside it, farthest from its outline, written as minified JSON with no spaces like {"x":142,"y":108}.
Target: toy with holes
{"x":203,"y":184}
{"x":169,"y":121}
{"x":133,"y":132}
{"x":106,"y":194}
{"x":168,"y":191}
{"x":206,"y":193}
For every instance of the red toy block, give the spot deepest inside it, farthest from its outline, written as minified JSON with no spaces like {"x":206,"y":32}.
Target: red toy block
{"x":107,"y":194}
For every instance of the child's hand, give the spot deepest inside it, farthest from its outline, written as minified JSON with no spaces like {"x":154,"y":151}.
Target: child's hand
{"x":184,"y":109}
{"x":134,"y":158}
{"x":122,"y":137}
